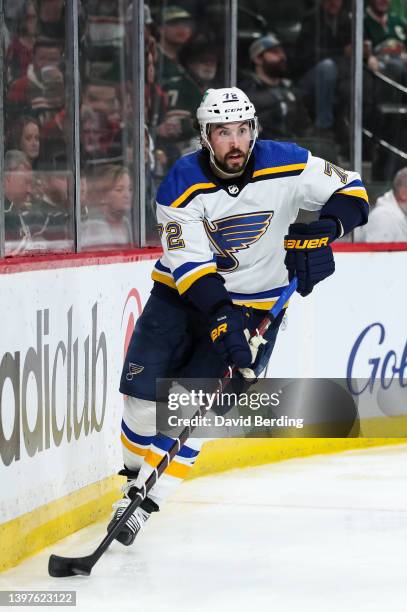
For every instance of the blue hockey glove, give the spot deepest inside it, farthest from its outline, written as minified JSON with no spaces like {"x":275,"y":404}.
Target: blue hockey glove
{"x":226,"y":328}
{"x":309,"y":255}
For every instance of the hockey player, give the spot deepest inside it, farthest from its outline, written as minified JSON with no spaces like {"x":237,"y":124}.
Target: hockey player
{"x":223,"y":214}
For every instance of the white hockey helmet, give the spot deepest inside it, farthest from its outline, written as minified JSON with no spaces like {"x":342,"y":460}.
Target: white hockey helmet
{"x":225,"y":105}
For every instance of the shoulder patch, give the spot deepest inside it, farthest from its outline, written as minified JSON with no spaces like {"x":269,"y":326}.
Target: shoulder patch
{"x":278,"y":159}
{"x":184,"y":181}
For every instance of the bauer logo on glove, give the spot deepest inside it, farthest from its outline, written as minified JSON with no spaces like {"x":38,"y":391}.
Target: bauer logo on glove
{"x":309,"y":254}
{"x":221,"y":329}
{"x":228,"y":338}
{"x":306,"y":244}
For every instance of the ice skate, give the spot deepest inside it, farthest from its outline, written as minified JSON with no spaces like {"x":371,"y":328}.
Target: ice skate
{"x":135,"y":522}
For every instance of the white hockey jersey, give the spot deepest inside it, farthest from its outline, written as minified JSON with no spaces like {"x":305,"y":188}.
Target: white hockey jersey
{"x":237,"y":228}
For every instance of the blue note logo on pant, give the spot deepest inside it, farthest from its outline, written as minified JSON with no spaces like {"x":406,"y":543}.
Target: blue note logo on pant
{"x":134,"y":370}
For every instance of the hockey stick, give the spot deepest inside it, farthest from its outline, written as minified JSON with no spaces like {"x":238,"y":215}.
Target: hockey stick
{"x":70,"y":566}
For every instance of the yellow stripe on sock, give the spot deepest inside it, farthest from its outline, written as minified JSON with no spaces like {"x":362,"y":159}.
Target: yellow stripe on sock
{"x":176,"y":469}
{"x":132,"y":447}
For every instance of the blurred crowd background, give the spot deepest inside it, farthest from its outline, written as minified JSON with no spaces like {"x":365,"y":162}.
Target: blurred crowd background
{"x":293,"y":60}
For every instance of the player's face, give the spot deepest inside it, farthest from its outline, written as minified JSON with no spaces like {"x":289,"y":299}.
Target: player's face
{"x":231,"y":144}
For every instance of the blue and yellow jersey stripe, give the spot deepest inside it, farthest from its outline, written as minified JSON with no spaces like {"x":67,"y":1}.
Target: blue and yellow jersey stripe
{"x":278,"y":160}
{"x":190,"y":272}
{"x":355,"y":189}
{"x":279,"y":171}
{"x":184,"y":182}
{"x":191,"y":192}
{"x":186,"y":179}
{"x":185,"y":275}
{"x":162,"y":274}
{"x":262,"y":300}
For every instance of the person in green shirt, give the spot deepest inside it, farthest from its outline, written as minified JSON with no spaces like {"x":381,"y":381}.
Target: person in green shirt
{"x":176,"y":29}
{"x":387,"y":34}
{"x":199,"y":61}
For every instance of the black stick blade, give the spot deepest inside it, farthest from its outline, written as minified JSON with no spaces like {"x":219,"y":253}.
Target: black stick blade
{"x":60,"y":567}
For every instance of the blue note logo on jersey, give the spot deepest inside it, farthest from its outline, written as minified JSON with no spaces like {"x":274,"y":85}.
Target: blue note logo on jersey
{"x":232,"y":234}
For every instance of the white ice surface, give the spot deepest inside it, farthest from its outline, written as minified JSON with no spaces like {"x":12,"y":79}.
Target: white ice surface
{"x":322,"y":534}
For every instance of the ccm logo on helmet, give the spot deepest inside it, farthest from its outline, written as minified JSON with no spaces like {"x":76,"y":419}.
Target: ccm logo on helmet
{"x":315,"y":243}
{"x":233,"y":110}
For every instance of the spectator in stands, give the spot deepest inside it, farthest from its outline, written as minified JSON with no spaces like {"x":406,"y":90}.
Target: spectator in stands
{"x":109,"y":201}
{"x":387,"y":34}
{"x":280,"y":108}
{"x":54,"y":140}
{"x":149,"y":37}
{"x":388,"y":219}
{"x":53,"y":204}
{"x":20,"y":50}
{"x":177,"y":28}
{"x":51,"y":15}
{"x":83,"y":194}
{"x":17,"y":201}
{"x":184,"y":92}
{"x":93,"y":132}
{"x":155,"y":100}
{"x":42,"y":88}
{"x":95,"y":135}
{"x":200,"y":62}
{"x":150,"y":42}
{"x":105,"y":37}
{"x":24,"y":135}
{"x":325,"y":34}
{"x":101,"y":96}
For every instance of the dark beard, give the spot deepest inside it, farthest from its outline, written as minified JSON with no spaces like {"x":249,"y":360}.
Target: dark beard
{"x":223,"y":165}
{"x":275,"y":71}
{"x":229,"y":170}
